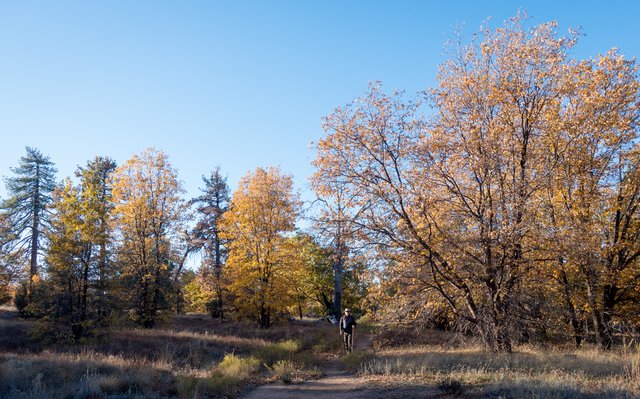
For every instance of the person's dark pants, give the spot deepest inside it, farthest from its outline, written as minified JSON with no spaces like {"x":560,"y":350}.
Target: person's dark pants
{"x":347,"y":340}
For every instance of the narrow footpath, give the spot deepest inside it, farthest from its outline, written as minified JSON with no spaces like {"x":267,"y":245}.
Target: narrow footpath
{"x":336,"y":383}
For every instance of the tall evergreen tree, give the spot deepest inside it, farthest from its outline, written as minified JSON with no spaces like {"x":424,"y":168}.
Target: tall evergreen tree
{"x":210,"y":207}
{"x":97,"y":209}
{"x":29,"y":194}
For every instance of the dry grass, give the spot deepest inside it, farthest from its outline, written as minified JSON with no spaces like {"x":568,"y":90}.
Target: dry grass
{"x":527,"y":373}
{"x":188,"y":357}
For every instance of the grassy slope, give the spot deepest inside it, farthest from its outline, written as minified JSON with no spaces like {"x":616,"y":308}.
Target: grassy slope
{"x":190,"y":356}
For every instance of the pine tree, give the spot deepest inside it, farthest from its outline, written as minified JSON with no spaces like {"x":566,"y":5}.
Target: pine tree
{"x":210,"y":206}
{"x":26,"y":209}
{"x":97,"y":208}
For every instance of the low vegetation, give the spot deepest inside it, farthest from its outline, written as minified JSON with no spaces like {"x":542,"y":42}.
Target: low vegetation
{"x":466,"y":369}
{"x":189,"y":356}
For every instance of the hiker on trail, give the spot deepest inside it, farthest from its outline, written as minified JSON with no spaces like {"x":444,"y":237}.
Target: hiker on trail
{"x":347,"y":327}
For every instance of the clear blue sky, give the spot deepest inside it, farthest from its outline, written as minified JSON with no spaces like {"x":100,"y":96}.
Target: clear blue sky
{"x":236,"y":83}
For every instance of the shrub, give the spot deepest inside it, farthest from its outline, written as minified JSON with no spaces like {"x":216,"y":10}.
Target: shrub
{"x":237,"y":367}
{"x":324,"y":343}
{"x":20,"y":299}
{"x":217,"y":385}
{"x":115,"y":385}
{"x":283,"y":369}
{"x":5,"y":294}
{"x":307,"y":359}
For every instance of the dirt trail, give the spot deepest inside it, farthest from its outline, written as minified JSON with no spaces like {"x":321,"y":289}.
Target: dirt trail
{"x":336,"y":383}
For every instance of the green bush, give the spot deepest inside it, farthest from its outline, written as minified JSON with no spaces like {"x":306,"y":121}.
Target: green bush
{"x":331,"y":342}
{"x":20,"y":299}
{"x":307,"y":359}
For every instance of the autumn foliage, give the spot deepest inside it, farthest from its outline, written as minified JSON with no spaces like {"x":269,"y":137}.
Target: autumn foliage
{"x":262,"y":210}
{"x":149,"y":213}
{"x":525,"y":172}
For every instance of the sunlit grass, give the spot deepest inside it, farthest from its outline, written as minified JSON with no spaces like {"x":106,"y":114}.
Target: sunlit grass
{"x":529,"y":372}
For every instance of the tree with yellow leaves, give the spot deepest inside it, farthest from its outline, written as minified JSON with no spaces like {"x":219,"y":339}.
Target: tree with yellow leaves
{"x":149,"y":219}
{"x":79,"y":262}
{"x":262,"y":211}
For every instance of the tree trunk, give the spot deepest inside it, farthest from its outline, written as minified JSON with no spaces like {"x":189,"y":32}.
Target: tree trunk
{"x":102,"y":279}
{"x":220,"y":311}
{"x":179,"y":301}
{"x":596,"y":318}
{"x":502,"y":321}
{"x":608,"y":305}
{"x":265,"y":317}
{"x":83,"y":301}
{"x":338,"y":272}
{"x":575,"y":324}
{"x":35,"y":236}
{"x":328,"y":303}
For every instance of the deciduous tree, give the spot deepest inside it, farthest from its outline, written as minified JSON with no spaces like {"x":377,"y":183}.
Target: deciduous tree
{"x":263,"y":210}
{"x":456,"y":203}
{"x":149,"y":214}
